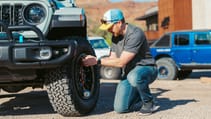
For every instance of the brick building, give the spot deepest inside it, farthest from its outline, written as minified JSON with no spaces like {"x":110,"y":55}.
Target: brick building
{"x":171,"y":15}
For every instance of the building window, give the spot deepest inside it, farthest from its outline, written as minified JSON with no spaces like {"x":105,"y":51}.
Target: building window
{"x":153,"y":27}
{"x":165,"y":22}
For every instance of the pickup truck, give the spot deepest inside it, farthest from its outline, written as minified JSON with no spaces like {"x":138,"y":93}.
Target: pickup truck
{"x":177,"y":53}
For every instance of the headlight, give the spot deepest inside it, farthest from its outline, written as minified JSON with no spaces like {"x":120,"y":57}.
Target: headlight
{"x":34,"y":14}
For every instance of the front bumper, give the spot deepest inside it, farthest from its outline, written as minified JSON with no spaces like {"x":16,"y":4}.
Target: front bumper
{"x":28,"y":55}
{"x":19,"y":53}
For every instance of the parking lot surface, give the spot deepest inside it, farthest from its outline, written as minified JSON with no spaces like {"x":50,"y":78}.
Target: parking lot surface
{"x":184,"y":99}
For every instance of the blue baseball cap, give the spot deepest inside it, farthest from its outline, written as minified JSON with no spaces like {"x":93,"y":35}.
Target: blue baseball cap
{"x":111,"y":17}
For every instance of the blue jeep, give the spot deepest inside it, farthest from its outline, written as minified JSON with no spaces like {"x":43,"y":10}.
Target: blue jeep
{"x":178,"y":53}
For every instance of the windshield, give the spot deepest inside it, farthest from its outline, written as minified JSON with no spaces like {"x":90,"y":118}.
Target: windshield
{"x":99,"y":43}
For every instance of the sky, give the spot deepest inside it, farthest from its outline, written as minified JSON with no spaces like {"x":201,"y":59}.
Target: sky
{"x":134,"y":0}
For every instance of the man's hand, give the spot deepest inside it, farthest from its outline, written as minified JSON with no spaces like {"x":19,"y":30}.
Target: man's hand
{"x":89,"y":60}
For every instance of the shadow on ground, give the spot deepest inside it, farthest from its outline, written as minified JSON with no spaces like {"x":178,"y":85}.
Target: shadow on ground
{"x":105,"y":103}
{"x":34,"y":102}
{"x":166,"y":103}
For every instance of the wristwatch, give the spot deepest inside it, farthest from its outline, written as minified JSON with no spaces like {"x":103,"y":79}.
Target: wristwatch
{"x":99,"y":62}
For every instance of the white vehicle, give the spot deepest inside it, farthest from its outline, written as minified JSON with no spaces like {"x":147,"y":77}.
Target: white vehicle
{"x":100,"y":46}
{"x":102,"y":49}
{"x":42,"y":45}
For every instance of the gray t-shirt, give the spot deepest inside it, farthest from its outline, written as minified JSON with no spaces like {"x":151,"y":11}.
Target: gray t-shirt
{"x":133,"y":41}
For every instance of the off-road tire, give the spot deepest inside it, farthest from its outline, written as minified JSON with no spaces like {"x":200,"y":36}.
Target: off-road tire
{"x":182,"y":74}
{"x":167,"y":69}
{"x":73,"y":89}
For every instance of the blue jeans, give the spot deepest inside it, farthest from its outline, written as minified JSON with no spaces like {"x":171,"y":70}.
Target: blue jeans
{"x":135,"y":86}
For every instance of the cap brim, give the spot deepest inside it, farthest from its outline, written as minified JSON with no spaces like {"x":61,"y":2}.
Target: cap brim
{"x":105,"y":26}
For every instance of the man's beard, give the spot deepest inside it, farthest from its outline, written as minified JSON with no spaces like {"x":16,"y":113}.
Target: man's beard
{"x":116,"y":34}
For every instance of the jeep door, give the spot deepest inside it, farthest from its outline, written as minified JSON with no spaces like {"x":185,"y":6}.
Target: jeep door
{"x":181,"y":47}
{"x":202,"y":47}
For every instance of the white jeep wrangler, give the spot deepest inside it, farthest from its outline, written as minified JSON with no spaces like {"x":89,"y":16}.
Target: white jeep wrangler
{"x":42,"y":44}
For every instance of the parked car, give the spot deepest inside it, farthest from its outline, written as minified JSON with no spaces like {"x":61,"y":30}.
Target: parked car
{"x":178,"y":53}
{"x":102,"y":49}
{"x":100,"y":46}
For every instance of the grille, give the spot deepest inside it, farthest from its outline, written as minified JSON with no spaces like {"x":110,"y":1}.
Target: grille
{"x":11,"y":14}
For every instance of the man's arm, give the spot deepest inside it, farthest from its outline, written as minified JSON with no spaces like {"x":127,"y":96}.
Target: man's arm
{"x":90,"y":60}
{"x":112,"y":61}
{"x":118,"y":62}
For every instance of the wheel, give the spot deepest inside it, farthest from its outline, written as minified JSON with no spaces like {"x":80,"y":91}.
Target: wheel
{"x":73,"y":90}
{"x":166,"y":69}
{"x":182,"y":74}
{"x":110,"y":72}
{"x":13,"y":89}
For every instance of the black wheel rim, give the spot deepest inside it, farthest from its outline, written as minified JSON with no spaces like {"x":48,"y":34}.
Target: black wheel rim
{"x":84,"y":79}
